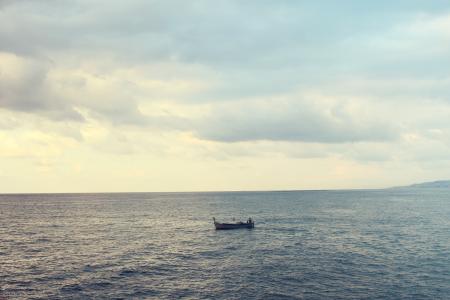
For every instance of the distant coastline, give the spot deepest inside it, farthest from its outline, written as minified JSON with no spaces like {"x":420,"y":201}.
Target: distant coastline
{"x":430,"y":184}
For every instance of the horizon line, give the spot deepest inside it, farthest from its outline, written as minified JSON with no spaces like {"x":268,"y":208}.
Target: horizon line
{"x":193,"y":192}
{"x":226,"y":191}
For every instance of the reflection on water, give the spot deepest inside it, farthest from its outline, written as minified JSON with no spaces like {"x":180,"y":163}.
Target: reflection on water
{"x":387,"y":244}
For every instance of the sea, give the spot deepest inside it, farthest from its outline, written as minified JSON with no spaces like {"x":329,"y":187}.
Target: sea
{"x":349,"y":244}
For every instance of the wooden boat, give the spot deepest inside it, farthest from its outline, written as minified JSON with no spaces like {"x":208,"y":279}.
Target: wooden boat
{"x":225,"y":226}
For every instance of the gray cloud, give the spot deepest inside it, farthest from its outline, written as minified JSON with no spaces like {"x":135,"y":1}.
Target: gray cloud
{"x":28,"y":90}
{"x":223,"y":34}
{"x":250,"y":50}
{"x":294,"y":120}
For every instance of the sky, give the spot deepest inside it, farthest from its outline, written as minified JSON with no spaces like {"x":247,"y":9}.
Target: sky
{"x":142,"y":96}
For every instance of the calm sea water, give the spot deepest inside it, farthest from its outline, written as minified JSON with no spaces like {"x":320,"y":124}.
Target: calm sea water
{"x":385,"y":244}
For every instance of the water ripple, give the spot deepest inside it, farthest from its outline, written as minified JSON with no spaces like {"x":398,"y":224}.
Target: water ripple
{"x":306,"y":245}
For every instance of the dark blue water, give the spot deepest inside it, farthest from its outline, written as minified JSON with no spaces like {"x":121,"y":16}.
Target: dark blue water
{"x":386,"y":244}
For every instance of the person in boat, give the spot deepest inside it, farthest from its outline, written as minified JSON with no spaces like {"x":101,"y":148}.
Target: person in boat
{"x":249,"y":221}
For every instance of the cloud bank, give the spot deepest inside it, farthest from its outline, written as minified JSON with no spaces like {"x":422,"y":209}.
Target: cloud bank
{"x":352,"y":81}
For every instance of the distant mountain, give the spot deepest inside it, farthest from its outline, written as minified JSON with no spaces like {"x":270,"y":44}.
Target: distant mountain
{"x":432,"y":184}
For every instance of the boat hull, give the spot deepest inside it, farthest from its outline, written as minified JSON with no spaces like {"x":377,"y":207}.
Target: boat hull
{"x":228,"y":226}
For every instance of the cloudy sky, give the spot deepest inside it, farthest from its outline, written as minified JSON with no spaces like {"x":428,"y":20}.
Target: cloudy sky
{"x":145,"y":95}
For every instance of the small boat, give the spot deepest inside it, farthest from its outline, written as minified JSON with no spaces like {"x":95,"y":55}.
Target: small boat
{"x":224,"y":226}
